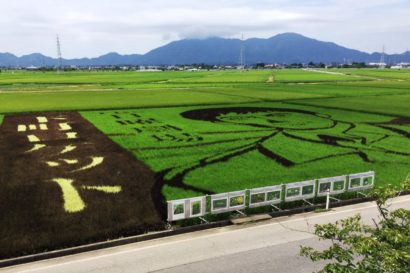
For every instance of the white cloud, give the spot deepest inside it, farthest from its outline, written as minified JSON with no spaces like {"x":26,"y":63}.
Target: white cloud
{"x":94,"y":27}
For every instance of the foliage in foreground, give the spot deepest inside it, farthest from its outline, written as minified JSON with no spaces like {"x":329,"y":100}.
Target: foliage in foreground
{"x":356,"y":247}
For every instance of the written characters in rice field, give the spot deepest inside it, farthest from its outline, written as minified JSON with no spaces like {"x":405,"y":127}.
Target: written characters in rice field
{"x":46,"y":129}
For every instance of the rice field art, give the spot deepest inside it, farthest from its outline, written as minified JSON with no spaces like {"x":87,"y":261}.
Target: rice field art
{"x":196,"y":151}
{"x":92,"y":156}
{"x":63,"y":178}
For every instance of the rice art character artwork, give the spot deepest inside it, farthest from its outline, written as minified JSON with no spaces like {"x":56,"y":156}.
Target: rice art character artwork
{"x":272,"y":133}
{"x":38,"y":134}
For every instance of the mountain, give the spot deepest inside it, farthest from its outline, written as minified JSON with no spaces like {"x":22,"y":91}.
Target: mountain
{"x":283,"y":48}
{"x":209,"y":51}
{"x":112,"y":58}
{"x":39,"y":60}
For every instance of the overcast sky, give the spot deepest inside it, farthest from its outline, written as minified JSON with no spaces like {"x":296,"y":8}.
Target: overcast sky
{"x":95,"y":27}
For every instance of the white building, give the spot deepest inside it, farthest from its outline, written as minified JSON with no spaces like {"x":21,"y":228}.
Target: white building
{"x":401,"y":66}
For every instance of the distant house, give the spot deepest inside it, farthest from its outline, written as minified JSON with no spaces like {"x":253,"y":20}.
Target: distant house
{"x":32,"y":67}
{"x":149,"y":69}
{"x":381,"y":65}
{"x":401,"y":66}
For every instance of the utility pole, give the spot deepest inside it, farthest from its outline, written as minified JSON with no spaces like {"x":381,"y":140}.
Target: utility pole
{"x":241,"y":56}
{"x":59,"y":55}
{"x":382,"y":64}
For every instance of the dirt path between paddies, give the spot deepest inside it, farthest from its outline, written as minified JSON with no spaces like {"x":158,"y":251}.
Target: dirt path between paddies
{"x":342,"y":74}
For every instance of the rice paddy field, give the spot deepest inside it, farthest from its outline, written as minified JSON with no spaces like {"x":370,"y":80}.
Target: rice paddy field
{"x":204,"y":150}
{"x":100,"y":153}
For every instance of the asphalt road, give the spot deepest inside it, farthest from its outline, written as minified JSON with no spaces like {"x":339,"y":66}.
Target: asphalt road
{"x":269,"y":246}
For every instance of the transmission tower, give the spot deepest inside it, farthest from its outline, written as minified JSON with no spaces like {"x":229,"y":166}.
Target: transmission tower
{"x":382,"y":64}
{"x":59,"y":56}
{"x":241,"y":56}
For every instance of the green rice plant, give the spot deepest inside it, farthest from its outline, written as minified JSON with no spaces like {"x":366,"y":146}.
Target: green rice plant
{"x":289,"y":125}
{"x":33,"y":91}
{"x":248,"y":150}
{"x":370,"y":104}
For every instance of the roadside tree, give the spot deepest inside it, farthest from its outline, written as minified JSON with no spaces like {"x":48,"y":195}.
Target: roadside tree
{"x":356,"y":247}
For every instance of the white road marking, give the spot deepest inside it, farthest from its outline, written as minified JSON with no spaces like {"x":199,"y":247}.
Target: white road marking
{"x":372,"y":205}
{"x":32,"y":127}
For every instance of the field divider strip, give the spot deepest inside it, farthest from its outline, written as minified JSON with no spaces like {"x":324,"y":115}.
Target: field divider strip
{"x":345,"y":109}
